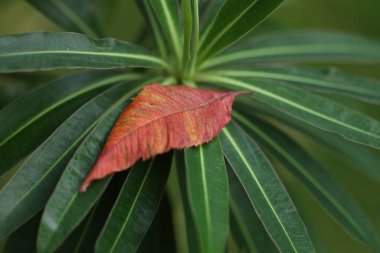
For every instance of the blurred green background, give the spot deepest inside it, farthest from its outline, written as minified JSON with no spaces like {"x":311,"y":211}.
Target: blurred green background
{"x":121,"y":19}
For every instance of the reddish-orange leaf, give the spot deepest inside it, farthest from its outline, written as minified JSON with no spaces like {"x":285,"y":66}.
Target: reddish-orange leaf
{"x":161,"y":118}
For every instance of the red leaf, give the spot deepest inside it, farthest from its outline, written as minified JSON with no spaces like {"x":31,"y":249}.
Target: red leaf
{"x":161,"y":118}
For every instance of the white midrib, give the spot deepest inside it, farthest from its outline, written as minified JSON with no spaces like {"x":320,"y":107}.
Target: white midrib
{"x":207,"y":207}
{"x":132,"y":208}
{"x":292,"y":50}
{"x":294,"y":78}
{"x":109,"y":54}
{"x":304,"y":173}
{"x":233,"y":22}
{"x":173,"y":32}
{"x":298,"y":106}
{"x":250,"y":170}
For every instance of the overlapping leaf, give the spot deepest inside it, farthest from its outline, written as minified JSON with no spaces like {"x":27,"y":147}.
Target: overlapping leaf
{"x":235,"y":19}
{"x":302,"y":46}
{"x":73,"y":15}
{"x":313,"y":109}
{"x":29,"y":189}
{"x":325,"y":80}
{"x":208,"y":194}
{"x":141,"y":194}
{"x":50,"y":50}
{"x":159,"y":119}
{"x":66,"y":206}
{"x":20,"y":121}
{"x":318,"y":180}
{"x":265,"y":190}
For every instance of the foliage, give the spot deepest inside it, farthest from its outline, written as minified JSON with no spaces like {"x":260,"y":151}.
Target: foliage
{"x":223,"y":193}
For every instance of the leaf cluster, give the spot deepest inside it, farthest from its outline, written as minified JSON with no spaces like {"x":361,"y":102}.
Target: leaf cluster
{"x":202,"y":199}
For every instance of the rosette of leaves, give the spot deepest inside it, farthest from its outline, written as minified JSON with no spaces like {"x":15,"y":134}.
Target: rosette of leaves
{"x":223,"y":193}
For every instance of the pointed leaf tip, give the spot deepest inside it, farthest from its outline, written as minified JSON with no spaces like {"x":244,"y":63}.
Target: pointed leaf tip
{"x":161,"y":118}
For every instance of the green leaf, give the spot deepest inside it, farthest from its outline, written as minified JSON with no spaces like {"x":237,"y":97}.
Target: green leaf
{"x":208,"y":194}
{"x":313,"y":109}
{"x":67,"y":207}
{"x":135,"y":207}
{"x":51,"y":50}
{"x":24,"y":238}
{"x":160,"y":236}
{"x":92,"y":226}
{"x":209,"y":10}
{"x":316,"y":179}
{"x":167,"y":14}
{"x":29,"y":189}
{"x":364,"y":158}
{"x":147,"y":11}
{"x":301,"y":46}
{"x":326,"y":80}
{"x":51,"y":105}
{"x":235,"y":19}
{"x":246,"y":227}
{"x":185,"y":231}
{"x":73,"y":15}
{"x":265,"y":190}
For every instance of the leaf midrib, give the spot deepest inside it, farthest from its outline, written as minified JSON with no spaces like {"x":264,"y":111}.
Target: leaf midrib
{"x":168,"y":115}
{"x":294,"y":78}
{"x":74,"y":18}
{"x":225,"y":30}
{"x":250,"y":170}
{"x":207,"y":207}
{"x":47,"y":172}
{"x":132,"y":206}
{"x":305,"y":173}
{"x":68,"y":98}
{"x":286,"y":101}
{"x":74,"y":52}
{"x":288,"y":50}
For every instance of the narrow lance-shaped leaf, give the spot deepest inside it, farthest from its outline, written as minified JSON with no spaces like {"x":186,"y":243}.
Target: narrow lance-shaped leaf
{"x":150,"y":17}
{"x":315,"y":178}
{"x":29,"y":189}
{"x":364,"y":158}
{"x":325,"y":80}
{"x":135,"y":207}
{"x":235,"y":19}
{"x":208,"y":194}
{"x":265,"y":190}
{"x":301,"y":46}
{"x":159,"y":119}
{"x":246,"y":227}
{"x":167,"y":14}
{"x":66,"y":207}
{"x":52,"y":104}
{"x":73,"y":15}
{"x":311,"y":108}
{"x":51,"y":50}
{"x":185,"y":231}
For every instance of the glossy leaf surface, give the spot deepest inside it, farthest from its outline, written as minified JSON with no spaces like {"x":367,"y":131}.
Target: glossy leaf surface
{"x":135,"y":207}
{"x":208,"y":194}
{"x":159,"y":119}
{"x":265,"y":190}
{"x":302,"y":46}
{"x":51,"y":50}
{"x":311,"y":108}
{"x":326,"y":80}
{"x":38,"y":113}
{"x":317,"y":179}
{"x":67,"y":207}
{"x":29,"y":189}
{"x":235,"y":19}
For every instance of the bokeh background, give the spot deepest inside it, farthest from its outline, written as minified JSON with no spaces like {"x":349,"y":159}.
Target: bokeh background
{"x":121,"y":19}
